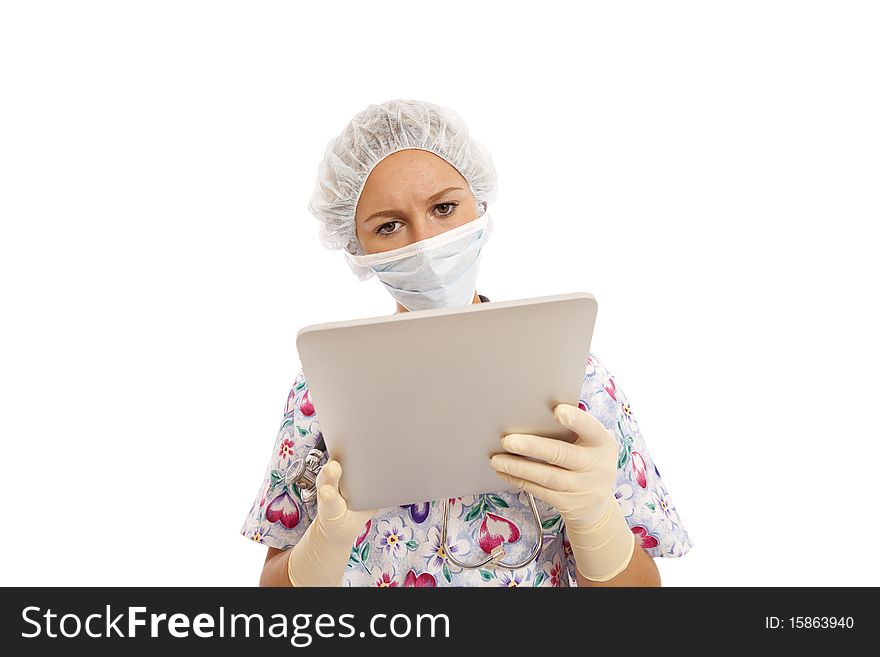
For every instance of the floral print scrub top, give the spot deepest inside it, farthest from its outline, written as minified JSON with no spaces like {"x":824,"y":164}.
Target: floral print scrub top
{"x":400,"y":546}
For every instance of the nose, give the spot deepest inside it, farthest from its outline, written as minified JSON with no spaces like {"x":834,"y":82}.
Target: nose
{"x":422,"y":228}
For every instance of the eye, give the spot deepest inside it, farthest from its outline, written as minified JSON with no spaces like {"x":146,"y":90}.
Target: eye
{"x":451,"y":209}
{"x":390,"y":223}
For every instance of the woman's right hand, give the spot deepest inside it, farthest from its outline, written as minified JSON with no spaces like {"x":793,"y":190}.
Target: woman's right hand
{"x":321,"y":555}
{"x":335,"y":517}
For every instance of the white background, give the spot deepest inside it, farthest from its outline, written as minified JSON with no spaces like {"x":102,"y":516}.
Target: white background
{"x":709,"y":172}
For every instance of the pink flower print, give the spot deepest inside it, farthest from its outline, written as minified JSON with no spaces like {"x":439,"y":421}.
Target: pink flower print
{"x":639,"y":468}
{"x":306,"y":405}
{"x":643,"y":538}
{"x":554,"y":572}
{"x":385,"y":581}
{"x":566,"y":547}
{"x":611,"y":388}
{"x":290,"y":406}
{"x":423,"y":580}
{"x":385,"y":576}
{"x":286,"y":451}
{"x":367,"y":526}
{"x":495,"y":530}
{"x":437,"y":554}
{"x":511,"y":580}
{"x":283,"y":509}
{"x":582,"y":406}
{"x":591,"y":367}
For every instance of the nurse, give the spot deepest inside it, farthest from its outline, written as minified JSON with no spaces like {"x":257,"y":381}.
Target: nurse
{"x":405,"y":191}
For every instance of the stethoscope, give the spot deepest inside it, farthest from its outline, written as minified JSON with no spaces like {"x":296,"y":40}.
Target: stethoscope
{"x":303,"y":473}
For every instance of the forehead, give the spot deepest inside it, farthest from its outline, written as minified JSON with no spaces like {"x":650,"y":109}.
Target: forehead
{"x":408,"y":174}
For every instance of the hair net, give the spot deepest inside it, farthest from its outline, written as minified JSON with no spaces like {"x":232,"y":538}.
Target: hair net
{"x":377,"y":132}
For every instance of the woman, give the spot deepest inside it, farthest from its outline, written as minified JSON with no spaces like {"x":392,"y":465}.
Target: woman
{"x":405,"y":191}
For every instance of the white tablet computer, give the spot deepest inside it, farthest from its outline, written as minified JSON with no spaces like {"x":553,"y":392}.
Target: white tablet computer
{"x":413,"y":404}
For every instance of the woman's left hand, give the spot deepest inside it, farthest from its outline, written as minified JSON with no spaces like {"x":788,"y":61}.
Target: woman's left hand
{"x":576,"y":478}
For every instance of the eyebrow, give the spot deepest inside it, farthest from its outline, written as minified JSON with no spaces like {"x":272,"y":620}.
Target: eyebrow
{"x":391,"y":213}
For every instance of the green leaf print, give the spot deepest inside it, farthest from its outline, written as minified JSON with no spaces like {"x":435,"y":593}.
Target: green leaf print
{"x":446,"y":573}
{"x":497,"y":501}
{"x":538,"y":579}
{"x":486,"y":575}
{"x":549,"y":522}
{"x":412,"y":545}
{"x":651,"y":506}
{"x":300,"y":386}
{"x":302,"y":432}
{"x":473,"y":512}
{"x":286,"y":423}
{"x":625,"y":447}
{"x":365,"y":551}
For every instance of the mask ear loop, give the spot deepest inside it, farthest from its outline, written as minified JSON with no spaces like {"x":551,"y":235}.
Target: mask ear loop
{"x":421,"y":246}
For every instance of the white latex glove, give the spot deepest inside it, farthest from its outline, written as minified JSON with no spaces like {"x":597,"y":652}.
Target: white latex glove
{"x":577,"y":479}
{"x":319,"y":558}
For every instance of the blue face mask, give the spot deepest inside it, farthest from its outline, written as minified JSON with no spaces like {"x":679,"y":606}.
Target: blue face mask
{"x":437,"y":272}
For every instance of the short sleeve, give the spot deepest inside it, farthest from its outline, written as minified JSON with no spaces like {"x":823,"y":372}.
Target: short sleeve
{"x":278,"y":518}
{"x":641,"y":493}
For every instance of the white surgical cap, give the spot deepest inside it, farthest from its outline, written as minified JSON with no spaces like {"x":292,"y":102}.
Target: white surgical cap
{"x":377,"y":132}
